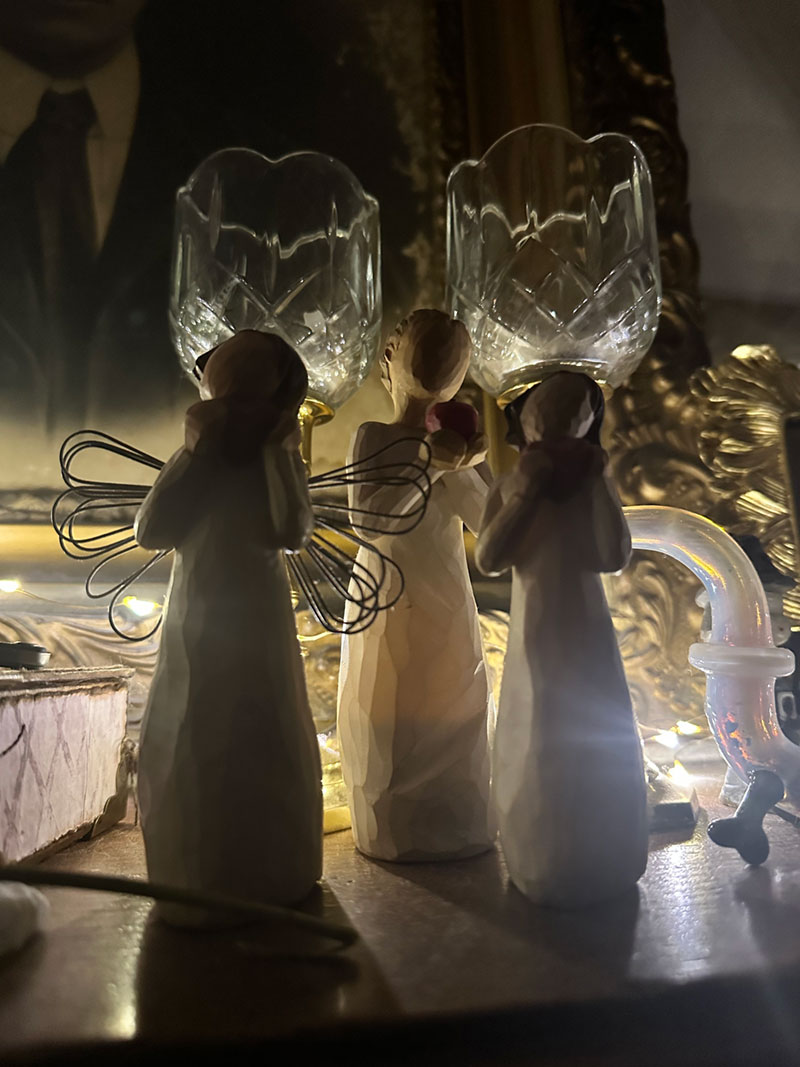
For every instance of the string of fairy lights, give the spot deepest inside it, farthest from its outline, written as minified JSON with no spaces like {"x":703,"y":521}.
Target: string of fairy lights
{"x":671,"y":741}
{"x":139,"y":607}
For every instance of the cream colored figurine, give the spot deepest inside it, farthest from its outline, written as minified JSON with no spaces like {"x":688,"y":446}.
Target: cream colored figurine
{"x":229,"y":772}
{"x":412,"y":690}
{"x":568,"y":779}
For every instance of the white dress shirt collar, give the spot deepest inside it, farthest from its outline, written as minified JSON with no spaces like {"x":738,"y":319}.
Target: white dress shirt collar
{"x":114,"y":90}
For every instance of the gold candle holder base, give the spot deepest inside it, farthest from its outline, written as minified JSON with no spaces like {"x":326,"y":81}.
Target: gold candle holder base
{"x":312,"y":412}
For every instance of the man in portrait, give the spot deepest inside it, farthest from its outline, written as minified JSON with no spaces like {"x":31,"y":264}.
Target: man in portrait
{"x":106,"y":108}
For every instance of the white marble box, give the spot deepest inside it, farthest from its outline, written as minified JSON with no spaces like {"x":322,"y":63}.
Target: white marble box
{"x":61,"y":752}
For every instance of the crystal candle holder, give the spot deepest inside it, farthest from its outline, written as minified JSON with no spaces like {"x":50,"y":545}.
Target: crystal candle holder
{"x":291,"y":246}
{"x":552,"y":257}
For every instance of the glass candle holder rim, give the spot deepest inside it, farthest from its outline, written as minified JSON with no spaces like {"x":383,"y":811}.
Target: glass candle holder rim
{"x":562,"y":132}
{"x":185,"y":192}
{"x":362,"y":220}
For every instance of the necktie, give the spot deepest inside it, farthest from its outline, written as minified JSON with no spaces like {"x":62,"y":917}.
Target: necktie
{"x":49,"y":168}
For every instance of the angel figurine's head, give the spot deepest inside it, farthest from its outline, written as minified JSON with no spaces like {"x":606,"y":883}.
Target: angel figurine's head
{"x":252,"y":386}
{"x":565,"y":404}
{"x":254,"y":367}
{"x":426,"y":357}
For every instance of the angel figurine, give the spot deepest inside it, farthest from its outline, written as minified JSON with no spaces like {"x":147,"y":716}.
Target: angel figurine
{"x":229,"y":768}
{"x":568,"y":779}
{"x":413,"y":695}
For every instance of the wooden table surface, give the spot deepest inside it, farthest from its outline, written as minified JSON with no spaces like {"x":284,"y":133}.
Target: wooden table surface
{"x":701,"y":965}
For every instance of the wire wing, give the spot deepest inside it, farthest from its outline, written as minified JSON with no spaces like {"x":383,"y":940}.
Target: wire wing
{"x":346,"y":579}
{"x":94,"y":518}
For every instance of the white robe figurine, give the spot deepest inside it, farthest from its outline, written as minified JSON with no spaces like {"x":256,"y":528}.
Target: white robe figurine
{"x":413,"y":693}
{"x":567,"y":770}
{"x":229,"y":771}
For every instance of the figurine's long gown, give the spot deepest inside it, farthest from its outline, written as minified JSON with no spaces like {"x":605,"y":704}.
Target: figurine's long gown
{"x":413,"y":693}
{"x":567,"y":768}
{"x":229,"y":772}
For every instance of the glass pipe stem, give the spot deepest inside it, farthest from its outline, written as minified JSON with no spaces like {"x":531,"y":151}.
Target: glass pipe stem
{"x":740,"y":661}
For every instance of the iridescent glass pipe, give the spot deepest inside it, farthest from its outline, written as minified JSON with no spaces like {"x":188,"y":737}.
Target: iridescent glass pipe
{"x":739,"y":659}
{"x":290,"y":246}
{"x":552,"y":257}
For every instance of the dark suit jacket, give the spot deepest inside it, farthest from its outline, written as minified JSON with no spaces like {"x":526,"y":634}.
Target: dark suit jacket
{"x":127,"y":359}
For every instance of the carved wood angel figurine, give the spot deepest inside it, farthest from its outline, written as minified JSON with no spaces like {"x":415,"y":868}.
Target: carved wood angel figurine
{"x":229,"y":771}
{"x":568,"y":779}
{"x":413,"y":693}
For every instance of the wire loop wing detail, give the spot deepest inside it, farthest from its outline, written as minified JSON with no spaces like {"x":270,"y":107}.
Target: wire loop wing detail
{"x":94,"y":520}
{"x":343,"y":574}
{"x":346,"y":578}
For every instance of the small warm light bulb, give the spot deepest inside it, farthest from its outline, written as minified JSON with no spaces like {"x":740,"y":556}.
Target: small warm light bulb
{"x":679,"y":774}
{"x":142,"y":608}
{"x":687,"y":728}
{"x":9,"y":585}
